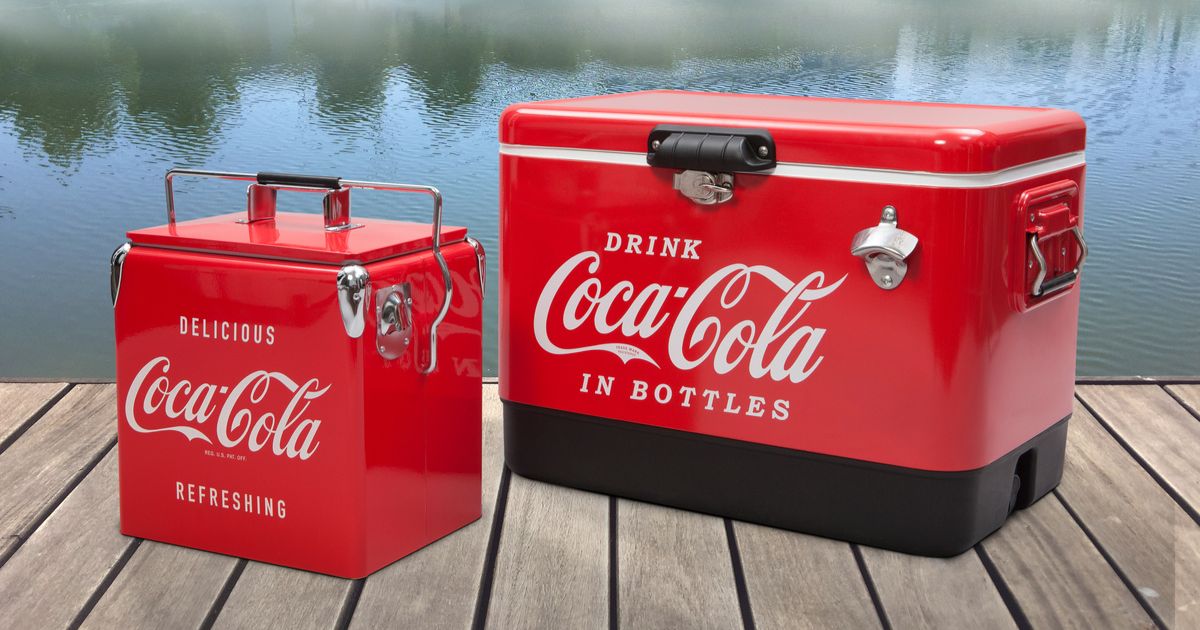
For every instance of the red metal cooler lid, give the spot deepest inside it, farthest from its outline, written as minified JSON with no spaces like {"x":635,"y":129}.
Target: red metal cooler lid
{"x":902,"y":136}
{"x":330,"y":238}
{"x":294,"y":236}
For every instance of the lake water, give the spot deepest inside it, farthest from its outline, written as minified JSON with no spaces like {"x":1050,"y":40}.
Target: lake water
{"x":98,"y":99}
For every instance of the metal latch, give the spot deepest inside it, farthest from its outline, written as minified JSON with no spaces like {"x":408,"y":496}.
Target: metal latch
{"x":707,"y":157}
{"x":884,"y":248}
{"x":353,"y":282}
{"x":393,"y":312}
{"x":705,"y":188}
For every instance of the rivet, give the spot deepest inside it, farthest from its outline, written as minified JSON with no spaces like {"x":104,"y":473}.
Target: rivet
{"x":763,"y":151}
{"x":654,"y":145}
{"x":1031,"y":264}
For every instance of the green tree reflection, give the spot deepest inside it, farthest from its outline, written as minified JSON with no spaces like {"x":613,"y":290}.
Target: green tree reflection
{"x":170,"y":73}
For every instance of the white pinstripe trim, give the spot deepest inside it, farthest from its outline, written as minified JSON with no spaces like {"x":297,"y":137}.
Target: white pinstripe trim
{"x":828,"y":173}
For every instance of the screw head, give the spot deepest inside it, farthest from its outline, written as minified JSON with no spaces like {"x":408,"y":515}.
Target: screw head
{"x":887,"y":280}
{"x":1031,"y":264}
{"x":889,"y":214}
{"x":1031,"y":217}
{"x":654,"y":145}
{"x":763,"y":151}
{"x":1064,"y":251}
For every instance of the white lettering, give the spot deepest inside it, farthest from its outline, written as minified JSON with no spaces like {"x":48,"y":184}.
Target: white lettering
{"x":779,"y":347}
{"x":292,"y":433}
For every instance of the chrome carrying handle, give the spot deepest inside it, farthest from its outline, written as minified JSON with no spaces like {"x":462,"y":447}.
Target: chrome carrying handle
{"x":260,"y":205}
{"x":1042,"y":286}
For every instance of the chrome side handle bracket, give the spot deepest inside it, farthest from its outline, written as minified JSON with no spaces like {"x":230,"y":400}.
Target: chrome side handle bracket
{"x":884,"y":249}
{"x":1042,"y":286}
{"x":116,"y":265}
{"x":480,"y":263}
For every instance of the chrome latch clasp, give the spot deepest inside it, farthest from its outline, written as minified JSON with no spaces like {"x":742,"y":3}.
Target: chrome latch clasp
{"x":703,"y":187}
{"x":884,"y":249}
{"x":393,"y":314}
{"x":353,"y":282}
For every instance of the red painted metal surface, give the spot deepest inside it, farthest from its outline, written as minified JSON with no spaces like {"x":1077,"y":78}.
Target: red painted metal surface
{"x":251,"y":423}
{"x":926,"y":137}
{"x":750,"y":319}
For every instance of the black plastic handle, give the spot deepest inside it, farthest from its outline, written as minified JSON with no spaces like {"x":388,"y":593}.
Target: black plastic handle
{"x":1059,"y":282}
{"x":306,"y":181}
{"x":716,"y":149}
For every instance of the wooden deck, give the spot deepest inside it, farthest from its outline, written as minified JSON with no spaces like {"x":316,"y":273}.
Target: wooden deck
{"x":1116,"y":545}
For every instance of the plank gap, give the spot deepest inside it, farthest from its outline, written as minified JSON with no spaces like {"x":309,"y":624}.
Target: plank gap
{"x":102,"y":588}
{"x":739,"y":577}
{"x":350,"y":604}
{"x":870,"y":584}
{"x":214,"y":611}
{"x":34,"y":417}
{"x":1182,"y":403}
{"x":41,"y":517}
{"x":1006,"y":594}
{"x":493,"y":549}
{"x":1162,"y":483}
{"x":1141,"y":599}
{"x":614,"y":582}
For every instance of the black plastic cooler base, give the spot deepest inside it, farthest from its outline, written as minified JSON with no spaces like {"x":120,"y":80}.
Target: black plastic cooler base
{"x":904,"y":509}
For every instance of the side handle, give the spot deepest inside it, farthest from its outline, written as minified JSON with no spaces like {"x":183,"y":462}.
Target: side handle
{"x":1056,"y":249}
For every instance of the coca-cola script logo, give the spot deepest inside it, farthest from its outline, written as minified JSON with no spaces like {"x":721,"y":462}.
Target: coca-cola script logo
{"x":778,"y":347}
{"x":239,"y":419}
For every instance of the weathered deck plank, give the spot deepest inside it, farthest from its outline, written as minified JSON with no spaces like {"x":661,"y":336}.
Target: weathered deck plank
{"x":674,"y":569}
{"x":19,"y":401}
{"x":1058,"y":577}
{"x":1187,"y":586}
{"x":1116,"y":546}
{"x":552,"y":565}
{"x":162,"y":586}
{"x":800,"y":581}
{"x":1189,"y":394}
{"x":919,"y":592}
{"x":40,"y":467}
{"x":49,"y":580}
{"x":266,"y":595}
{"x":1129,"y":515}
{"x":437,"y":587}
{"x":1162,"y":432}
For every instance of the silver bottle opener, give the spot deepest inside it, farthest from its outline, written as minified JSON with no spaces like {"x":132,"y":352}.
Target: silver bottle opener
{"x":884,"y":248}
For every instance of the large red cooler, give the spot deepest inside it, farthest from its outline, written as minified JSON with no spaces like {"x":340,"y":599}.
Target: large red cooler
{"x":850,"y":318}
{"x":299,"y":389}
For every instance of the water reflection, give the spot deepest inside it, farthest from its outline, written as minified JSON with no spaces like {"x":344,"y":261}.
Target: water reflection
{"x":180,"y":81}
{"x":57,"y":96}
{"x":99,"y":93}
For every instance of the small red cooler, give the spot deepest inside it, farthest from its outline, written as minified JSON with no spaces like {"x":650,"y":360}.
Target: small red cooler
{"x":295,"y":388}
{"x":850,"y":318}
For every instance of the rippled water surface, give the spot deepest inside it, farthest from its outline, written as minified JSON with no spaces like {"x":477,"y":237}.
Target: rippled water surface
{"x":97,"y":99}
